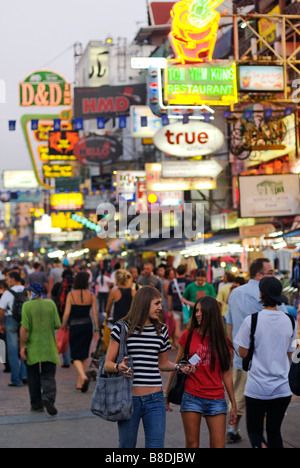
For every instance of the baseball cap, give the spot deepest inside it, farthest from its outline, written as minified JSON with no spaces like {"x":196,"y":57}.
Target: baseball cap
{"x":271,"y":287}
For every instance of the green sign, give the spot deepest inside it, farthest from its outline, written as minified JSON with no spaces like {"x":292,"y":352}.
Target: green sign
{"x":45,"y":89}
{"x":213,"y":83}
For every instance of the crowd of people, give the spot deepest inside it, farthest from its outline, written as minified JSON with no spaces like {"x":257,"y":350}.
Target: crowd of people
{"x":36,"y":301}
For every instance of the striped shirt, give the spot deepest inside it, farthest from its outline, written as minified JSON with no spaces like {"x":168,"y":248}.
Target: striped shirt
{"x":144,"y":350}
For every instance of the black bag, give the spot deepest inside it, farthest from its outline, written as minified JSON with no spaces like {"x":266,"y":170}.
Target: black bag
{"x":178,"y":383}
{"x":247,"y":362}
{"x":294,"y":374}
{"x":19,"y":299}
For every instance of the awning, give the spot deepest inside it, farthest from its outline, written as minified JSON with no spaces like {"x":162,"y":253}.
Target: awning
{"x":295,"y":233}
{"x":95,"y":243}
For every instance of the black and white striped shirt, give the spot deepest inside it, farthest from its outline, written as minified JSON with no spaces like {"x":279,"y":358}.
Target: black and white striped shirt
{"x":144,"y":350}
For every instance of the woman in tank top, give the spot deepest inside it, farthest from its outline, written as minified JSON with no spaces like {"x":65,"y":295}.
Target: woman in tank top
{"x":120,"y":298}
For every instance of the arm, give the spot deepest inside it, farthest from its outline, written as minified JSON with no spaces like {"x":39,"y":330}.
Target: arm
{"x":51,"y":280}
{"x":1,"y":319}
{"x":67,"y":311}
{"x":243,"y":352}
{"x":23,"y":338}
{"x":229,"y":332}
{"x":170,"y":302}
{"x":228,"y":382}
{"x":95,"y":314}
{"x":111,"y":366}
{"x":110,"y":302}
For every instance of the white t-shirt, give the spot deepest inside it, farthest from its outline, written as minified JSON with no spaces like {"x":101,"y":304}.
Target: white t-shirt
{"x":105,"y":286}
{"x":274,"y":338}
{"x":7,"y":300}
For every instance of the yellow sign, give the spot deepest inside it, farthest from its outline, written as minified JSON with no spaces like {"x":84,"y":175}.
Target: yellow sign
{"x":57,"y":170}
{"x":195,"y":27}
{"x":64,"y":221}
{"x":66,"y":201}
{"x":267,"y":28}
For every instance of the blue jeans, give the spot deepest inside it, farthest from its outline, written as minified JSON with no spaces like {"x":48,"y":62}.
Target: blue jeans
{"x":152,"y":410}
{"x":17,"y":365}
{"x":194,"y":404}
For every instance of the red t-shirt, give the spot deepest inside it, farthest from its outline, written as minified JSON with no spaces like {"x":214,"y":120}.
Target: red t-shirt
{"x":205,"y":383}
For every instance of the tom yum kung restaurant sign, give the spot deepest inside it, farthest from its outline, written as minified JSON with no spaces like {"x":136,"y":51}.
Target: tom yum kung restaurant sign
{"x":212,"y":83}
{"x":45,"y":88}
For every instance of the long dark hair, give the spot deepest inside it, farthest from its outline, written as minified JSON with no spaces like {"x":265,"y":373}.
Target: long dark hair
{"x":82,"y":280}
{"x":139,"y":311}
{"x":212,"y":327}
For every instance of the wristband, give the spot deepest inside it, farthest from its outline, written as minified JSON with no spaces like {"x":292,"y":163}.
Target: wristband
{"x":177,"y":367}
{"x":116,"y":366}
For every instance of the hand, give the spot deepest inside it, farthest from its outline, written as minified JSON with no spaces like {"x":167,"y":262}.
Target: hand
{"x":233,"y":416}
{"x":23,"y":353}
{"x":168,"y":407}
{"x":125,"y":369}
{"x":188,"y":369}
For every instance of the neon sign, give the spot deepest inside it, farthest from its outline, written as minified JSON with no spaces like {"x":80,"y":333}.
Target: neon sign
{"x":211,"y":83}
{"x":195,"y":27}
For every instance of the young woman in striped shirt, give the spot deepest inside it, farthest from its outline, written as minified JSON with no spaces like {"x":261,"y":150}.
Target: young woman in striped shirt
{"x":147,"y":344}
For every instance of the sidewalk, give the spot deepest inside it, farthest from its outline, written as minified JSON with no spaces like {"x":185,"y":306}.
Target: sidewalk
{"x":76,"y":427}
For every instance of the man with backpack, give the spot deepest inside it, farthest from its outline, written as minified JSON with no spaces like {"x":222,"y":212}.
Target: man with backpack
{"x":11,"y":304}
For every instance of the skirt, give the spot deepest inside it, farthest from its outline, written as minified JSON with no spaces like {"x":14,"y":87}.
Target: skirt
{"x":80,"y":341}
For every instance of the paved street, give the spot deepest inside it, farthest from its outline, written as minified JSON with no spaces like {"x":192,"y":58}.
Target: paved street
{"x":76,"y":427}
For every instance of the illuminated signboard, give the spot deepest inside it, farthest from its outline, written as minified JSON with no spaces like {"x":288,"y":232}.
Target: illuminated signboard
{"x":45,"y":88}
{"x":156,"y":183}
{"x":194,"y":30}
{"x":57,"y":170}
{"x":212,"y":83}
{"x":62,"y":143}
{"x":66,"y":201}
{"x":261,"y":78}
{"x":63,"y":220}
{"x":19,"y":179}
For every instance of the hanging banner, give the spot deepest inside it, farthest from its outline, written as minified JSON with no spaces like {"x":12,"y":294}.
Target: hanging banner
{"x":45,"y":88}
{"x":107,"y":101}
{"x":98,"y":149}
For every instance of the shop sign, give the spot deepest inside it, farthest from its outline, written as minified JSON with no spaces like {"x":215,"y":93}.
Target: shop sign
{"x":75,"y":236}
{"x":45,"y":88}
{"x":267,"y":28}
{"x":16,"y":179}
{"x":62,"y":144}
{"x":261,"y":78}
{"x":192,"y":139}
{"x":98,"y":149}
{"x":138,"y":130}
{"x":107,"y":101}
{"x":63,"y":220}
{"x":126,"y":182}
{"x":258,"y":230}
{"x":213,"y":83}
{"x":57,"y":170}
{"x":269,"y":195}
{"x":210,"y":168}
{"x":156,"y":183}
{"x":66,"y":201}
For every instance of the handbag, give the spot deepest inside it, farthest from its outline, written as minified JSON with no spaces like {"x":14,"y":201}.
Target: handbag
{"x":63,"y":340}
{"x":112,"y":398}
{"x":185,"y":307}
{"x":177,"y":387}
{"x":294,"y":374}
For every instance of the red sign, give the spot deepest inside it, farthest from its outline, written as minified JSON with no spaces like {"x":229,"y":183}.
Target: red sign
{"x":98,"y":149}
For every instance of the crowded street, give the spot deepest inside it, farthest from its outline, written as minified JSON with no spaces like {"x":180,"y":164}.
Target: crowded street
{"x":150,"y":227}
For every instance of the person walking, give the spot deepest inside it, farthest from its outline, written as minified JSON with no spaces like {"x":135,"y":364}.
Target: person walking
{"x":204,"y":394}
{"x":38,"y":348}
{"x":3,"y":288}
{"x":147,"y":278}
{"x":176,"y":286}
{"x":79,"y":303}
{"x":147,"y":344}
{"x":12,"y":327}
{"x":102,"y":290}
{"x":267,"y":391}
{"x":39,"y":276}
{"x":121,"y":296}
{"x":244,"y":301}
{"x":199,"y":288}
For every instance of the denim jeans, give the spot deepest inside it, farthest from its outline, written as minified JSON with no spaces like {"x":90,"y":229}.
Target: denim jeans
{"x":17,"y":365}
{"x":152,"y":410}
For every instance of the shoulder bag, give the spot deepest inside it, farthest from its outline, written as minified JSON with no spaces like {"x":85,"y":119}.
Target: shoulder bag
{"x":112,"y":399}
{"x":177,"y":387}
{"x":294,"y":374}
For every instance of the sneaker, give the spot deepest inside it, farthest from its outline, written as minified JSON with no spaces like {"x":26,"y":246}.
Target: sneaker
{"x":233,"y":437}
{"x":50,"y":408}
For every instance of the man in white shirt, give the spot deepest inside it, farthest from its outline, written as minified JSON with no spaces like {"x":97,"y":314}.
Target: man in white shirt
{"x":12,"y":327}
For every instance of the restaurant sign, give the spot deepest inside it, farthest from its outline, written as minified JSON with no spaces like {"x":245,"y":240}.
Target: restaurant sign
{"x":45,"y":88}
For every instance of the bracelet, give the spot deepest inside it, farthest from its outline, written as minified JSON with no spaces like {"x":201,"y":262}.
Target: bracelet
{"x":95,"y":331}
{"x":176,"y":368}
{"x":166,"y":396}
{"x":116,"y":366}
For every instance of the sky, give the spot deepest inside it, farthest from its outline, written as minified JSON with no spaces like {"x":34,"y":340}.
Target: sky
{"x":35,"y":34}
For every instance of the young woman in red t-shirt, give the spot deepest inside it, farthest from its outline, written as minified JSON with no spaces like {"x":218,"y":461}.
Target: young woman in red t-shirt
{"x":204,"y":393}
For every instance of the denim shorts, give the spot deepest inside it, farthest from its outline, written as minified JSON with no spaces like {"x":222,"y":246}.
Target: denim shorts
{"x":191,"y":403}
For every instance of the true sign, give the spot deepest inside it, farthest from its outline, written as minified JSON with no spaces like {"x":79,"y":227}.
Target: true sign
{"x":190,"y":140}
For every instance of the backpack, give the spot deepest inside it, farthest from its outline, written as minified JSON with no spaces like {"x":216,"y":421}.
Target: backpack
{"x":247,"y":361}
{"x":19,"y":299}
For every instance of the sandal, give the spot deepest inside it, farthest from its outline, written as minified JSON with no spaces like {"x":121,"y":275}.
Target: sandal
{"x":85,"y":385}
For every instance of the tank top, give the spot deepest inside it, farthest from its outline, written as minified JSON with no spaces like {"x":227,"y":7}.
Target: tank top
{"x":122,"y":307}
